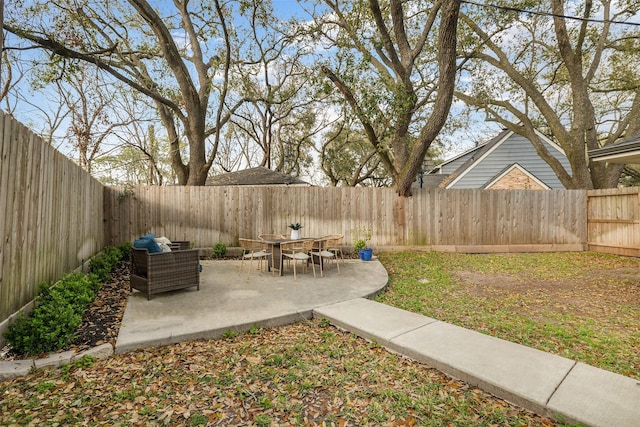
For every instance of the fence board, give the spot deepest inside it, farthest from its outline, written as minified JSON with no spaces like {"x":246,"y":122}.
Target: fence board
{"x":614,"y":221}
{"x":51,"y":215}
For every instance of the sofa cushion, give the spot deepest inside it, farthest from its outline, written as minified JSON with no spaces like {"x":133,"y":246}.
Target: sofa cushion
{"x":164,"y":243}
{"x":147,"y":243}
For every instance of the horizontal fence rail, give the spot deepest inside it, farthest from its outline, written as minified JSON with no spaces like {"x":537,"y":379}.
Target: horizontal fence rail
{"x":51,"y":215}
{"x":441,"y":219}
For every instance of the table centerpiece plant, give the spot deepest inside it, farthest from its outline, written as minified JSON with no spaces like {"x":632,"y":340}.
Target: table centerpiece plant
{"x":295,"y":230}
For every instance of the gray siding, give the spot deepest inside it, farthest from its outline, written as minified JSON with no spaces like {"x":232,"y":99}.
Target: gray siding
{"x":516,"y":149}
{"x":453,"y":165}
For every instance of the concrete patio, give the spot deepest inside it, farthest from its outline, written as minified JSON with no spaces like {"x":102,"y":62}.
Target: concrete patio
{"x":237,"y":302}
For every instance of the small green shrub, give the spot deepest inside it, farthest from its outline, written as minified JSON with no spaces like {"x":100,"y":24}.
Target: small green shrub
{"x":59,"y":307}
{"x":102,"y":264}
{"x":219,"y":250}
{"x":359,"y":244}
{"x":50,"y":326}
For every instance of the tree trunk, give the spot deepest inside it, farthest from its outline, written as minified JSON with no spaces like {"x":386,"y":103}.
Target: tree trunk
{"x":446,"y":82}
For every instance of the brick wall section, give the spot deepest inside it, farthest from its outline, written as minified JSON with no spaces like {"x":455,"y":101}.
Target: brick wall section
{"x":516,"y":180}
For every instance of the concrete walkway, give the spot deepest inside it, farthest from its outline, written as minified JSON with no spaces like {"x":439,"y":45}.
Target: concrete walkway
{"x":544,"y":383}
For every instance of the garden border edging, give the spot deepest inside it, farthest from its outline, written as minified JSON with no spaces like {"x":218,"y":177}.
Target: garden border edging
{"x":10,"y":369}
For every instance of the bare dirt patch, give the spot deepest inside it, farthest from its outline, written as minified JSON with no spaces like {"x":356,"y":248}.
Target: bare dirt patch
{"x":591,"y":293}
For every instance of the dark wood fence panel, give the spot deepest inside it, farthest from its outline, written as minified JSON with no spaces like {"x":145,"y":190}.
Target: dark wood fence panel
{"x":441,"y":219}
{"x":51,"y":215}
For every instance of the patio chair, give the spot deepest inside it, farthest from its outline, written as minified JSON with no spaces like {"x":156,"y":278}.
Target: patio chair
{"x":298,"y":250}
{"x":321,"y":253}
{"x":254,"y":249}
{"x":180,"y":245}
{"x":164,"y":271}
{"x":333,"y":244}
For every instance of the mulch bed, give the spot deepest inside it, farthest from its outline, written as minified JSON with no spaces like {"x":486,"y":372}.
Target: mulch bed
{"x":102,"y":318}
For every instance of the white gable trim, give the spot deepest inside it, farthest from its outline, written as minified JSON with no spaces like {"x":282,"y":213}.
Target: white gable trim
{"x":521,"y":169}
{"x":495,"y":146}
{"x":467,"y":170}
{"x":459,"y":156}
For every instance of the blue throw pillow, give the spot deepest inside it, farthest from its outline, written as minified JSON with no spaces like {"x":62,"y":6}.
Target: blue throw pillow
{"x":147,"y":243}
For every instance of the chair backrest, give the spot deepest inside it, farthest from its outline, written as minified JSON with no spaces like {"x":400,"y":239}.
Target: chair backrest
{"x":297,"y":246}
{"x":308,"y":245}
{"x":271,"y":236}
{"x":180,"y":245}
{"x":251,"y":245}
{"x":291,"y":244}
{"x":333,"y":240}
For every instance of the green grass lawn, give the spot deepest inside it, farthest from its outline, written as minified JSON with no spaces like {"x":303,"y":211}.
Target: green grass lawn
{"x":583,"y":306}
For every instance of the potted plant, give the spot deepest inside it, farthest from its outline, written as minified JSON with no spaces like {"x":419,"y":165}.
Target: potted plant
{"x":295,"y":230}
{"x":361,"y":236}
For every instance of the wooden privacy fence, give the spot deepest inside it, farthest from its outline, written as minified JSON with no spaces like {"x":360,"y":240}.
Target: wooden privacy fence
{"x":51,"y":215}
{"x":614,"y":221}
{"x":470,"y":220}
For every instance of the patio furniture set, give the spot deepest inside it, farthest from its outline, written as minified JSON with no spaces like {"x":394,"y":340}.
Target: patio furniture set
{"x":160,"y":265}
{"x":275,"y":248}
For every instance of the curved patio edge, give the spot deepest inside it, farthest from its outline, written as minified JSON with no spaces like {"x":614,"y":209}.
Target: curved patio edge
{"x":232,"y":301}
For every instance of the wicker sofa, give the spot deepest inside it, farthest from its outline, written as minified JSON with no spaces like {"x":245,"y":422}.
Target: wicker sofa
{"x":165,"y":271}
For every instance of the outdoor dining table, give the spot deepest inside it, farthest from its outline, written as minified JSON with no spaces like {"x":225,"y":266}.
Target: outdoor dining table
{"x":275,"y":248}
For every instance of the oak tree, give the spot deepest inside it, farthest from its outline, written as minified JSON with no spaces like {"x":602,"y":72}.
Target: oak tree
{"x":568,"y":73}
{"x":398,"y":72}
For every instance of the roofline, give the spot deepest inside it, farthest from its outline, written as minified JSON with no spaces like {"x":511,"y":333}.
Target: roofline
{"x":615,"y":150}
{"x":495,"y":145}
{"x":464,"y":153}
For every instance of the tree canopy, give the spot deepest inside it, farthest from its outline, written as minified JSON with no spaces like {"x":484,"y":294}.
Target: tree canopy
{"x":358,"y":91}
{"x":571,"y":74}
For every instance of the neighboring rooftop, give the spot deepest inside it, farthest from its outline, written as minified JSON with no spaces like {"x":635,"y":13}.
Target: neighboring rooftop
{"x":255,"y":176}
{"x":624,"y":151}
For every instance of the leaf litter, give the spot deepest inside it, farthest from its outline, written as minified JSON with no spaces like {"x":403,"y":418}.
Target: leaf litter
{"x":303,"y":374}
{"x":307,"y":374}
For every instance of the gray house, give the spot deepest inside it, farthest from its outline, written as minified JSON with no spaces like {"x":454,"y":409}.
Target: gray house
{"x":507,"y":161}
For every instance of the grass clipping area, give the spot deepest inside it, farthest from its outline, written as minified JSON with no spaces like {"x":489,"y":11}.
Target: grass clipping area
{"x":303,"y":374}
{"x":580,"y":305}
